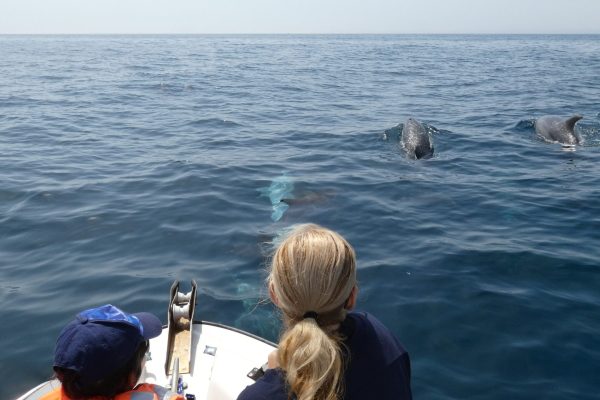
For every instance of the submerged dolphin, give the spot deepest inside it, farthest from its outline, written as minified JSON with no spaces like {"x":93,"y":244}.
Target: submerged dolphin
{"x":280,"y":188}
{"x":416,"y":140}
{"x":557,"y":129}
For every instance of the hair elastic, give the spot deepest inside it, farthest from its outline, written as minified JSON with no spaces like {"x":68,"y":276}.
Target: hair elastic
{"x":310,"y":314}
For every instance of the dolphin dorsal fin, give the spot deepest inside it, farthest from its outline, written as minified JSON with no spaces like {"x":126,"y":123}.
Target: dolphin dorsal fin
{"x":570,"y":123}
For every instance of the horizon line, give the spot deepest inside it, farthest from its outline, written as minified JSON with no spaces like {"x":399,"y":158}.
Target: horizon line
{"x":295,"y":33}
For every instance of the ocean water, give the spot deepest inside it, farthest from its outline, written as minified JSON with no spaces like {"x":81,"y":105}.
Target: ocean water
{"x":130,"y":161}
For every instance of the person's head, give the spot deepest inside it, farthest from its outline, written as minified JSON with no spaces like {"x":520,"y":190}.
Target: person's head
{"x":313,"y":282}
{"x":101,"y":352}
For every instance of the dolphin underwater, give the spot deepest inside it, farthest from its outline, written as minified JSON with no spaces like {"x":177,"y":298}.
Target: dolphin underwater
{"x":416,"y":140}
{"x":556,"y":129}
{"x":280,"y":188}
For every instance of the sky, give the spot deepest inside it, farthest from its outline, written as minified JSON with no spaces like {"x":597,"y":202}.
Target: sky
{"x":298,"y":16}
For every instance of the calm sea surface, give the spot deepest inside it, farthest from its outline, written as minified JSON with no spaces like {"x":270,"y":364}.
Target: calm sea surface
{"x":127,"y":162}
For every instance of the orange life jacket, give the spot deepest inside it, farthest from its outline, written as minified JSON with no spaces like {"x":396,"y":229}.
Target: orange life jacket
{"x":144,"y":391}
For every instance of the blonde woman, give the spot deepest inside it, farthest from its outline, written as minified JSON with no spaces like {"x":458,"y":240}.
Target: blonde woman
{"x":325,"y":351}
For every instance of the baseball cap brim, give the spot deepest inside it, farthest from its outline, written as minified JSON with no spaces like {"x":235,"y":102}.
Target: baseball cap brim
{"x":152,"y":327}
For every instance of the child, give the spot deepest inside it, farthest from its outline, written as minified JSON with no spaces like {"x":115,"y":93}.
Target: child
{"x":100,"y":355}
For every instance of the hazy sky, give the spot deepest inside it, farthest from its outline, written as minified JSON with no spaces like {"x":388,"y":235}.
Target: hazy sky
{"x":299,"y":16}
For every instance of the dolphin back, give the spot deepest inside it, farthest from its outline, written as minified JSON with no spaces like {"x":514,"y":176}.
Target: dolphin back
{"x":556,"y":129}
{"x":416,"y":140}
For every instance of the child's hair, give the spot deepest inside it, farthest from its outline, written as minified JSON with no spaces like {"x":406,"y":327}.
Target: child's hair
{"x":313,"y":273}
{"x":118,"y":382}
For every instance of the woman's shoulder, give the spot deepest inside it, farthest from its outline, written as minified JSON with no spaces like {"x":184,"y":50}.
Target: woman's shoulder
{"x":366,"y":334}
{"x":363,"y":323}
{"x":363,"y":317}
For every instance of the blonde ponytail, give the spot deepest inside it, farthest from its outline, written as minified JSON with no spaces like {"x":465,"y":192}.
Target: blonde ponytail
{"x":313,"y":273}
{"x":312,"y":361}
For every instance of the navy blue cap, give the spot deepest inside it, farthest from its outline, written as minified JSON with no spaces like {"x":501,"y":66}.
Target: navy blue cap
{"x":101,"y":340}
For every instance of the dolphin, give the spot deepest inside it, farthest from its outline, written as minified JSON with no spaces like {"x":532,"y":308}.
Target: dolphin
{"x":556,"y":129}
{"x":416,"y":140}
{"x":280,"y":188}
